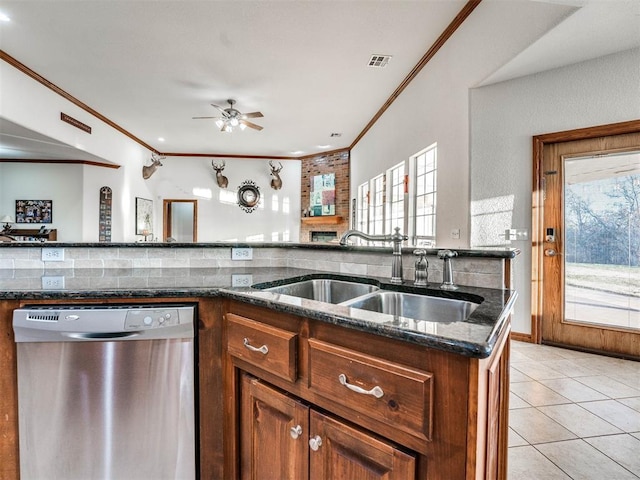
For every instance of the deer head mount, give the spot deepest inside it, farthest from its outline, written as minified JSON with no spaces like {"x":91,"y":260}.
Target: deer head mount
{"x":276,"y":181}
{"x":149,"y":170}
{"x":221,"y":179}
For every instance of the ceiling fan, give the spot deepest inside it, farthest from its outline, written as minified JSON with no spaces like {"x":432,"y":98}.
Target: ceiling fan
{"x":232,"y":118}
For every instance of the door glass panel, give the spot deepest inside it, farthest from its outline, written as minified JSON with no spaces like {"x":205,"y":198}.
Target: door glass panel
{"x":602,"y":240}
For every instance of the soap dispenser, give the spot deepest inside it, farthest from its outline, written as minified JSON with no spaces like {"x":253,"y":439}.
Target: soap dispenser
{"x":421,"y":269}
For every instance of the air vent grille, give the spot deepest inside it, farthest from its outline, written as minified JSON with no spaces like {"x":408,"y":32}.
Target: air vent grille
{"x":379,"y":61}
{"x":44,"y":316}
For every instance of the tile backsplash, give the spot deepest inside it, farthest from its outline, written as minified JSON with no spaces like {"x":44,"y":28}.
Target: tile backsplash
{"x":476,"y":271}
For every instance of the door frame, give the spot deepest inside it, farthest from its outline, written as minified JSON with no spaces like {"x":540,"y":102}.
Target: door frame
{"x":166,"y":216}
{"x":537,"y":205}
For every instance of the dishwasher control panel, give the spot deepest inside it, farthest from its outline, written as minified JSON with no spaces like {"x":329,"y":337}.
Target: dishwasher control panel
{"x":151,"y":318}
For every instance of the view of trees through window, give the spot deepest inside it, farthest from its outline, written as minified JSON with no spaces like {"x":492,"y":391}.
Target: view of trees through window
{"x":602,"y":248}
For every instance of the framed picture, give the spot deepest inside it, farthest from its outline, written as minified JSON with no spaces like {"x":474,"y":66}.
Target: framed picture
{"x":144,"y":216}
{"x":323,"y":195}
{"x":34,"y":211}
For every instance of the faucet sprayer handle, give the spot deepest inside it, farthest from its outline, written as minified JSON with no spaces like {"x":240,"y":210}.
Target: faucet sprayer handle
{"x":398,"y":236}
{"x":447,"y":254}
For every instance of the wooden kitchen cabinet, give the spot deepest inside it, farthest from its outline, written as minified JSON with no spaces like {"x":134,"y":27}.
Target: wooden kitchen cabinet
{"x":283,"y":438}
{"x":441,"y":416}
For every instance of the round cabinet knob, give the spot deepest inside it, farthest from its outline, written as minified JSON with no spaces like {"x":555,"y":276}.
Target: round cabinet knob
{"x":315,"y":443}
{"x":147,"y":320}
{"x":160,"y":320}
{"x":295,"y":432}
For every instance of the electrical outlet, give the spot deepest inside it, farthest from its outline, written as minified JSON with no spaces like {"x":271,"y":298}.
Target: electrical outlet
{"x":52,"y":282}
{"x":242,"y":253}
{"x":241,"y":280}
{"x":455,"y":233}
{"x":53,"y":254}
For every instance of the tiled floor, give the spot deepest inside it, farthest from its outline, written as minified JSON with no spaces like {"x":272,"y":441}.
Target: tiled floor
{"x":573,"y":415}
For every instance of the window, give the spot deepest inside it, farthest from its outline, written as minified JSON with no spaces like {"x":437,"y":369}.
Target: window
{"x":376,"y":207}
{"x":362,"y":202}
{"x":396,"y":214}
{"x":424,"y":196}
{"x":404,"y":196}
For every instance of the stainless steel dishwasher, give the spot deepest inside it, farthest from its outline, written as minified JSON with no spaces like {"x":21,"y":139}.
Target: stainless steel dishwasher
{"x":106,"y":392}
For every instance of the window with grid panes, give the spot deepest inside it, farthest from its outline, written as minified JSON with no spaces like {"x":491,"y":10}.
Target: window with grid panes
{"x":424,"y":196}
{"x":363,"y":208}
{"x":376,"y":206}
{"x":396,"y":214}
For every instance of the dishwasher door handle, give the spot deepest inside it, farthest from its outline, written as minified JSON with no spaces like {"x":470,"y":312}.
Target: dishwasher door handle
{"x":101,"y":335}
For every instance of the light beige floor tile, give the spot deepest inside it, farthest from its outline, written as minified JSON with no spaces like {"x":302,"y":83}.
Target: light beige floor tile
{"x":609,"y":387}
{"x":570,"y":368}
{"x":609,"y":366}
{"x":624,"y":449}
{"x":538,"y":371}
{"x":518,"y":356}
{"x":631,"y":379}
{"x":623,"y":417}
{"x":535,"y":427}
{"x":516,"y":440}
{"x":526,"y":461}
{"x":516,"y":402}
{"x":516,"y":376}
{"x":633,"y":402}
{"x":578,"y":420}
{"x":537,"y":394}
{"x":573,"y":390}
{"x":581,"y":461}
{"x":542,"y":353}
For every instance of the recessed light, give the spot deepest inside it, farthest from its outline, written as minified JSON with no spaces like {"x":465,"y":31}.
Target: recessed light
{"x":297,"y":152}
{"x":324,"y":146}
{"x":4,"y":17}
{"x":161,"y":139}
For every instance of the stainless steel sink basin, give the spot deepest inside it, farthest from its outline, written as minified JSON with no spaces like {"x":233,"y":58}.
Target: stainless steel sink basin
{"x":324,"y":290}
{"x":419,"y":307}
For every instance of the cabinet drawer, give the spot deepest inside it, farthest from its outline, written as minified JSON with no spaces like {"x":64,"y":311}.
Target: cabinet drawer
{"x":270,"y":348}
{"x":395,"y":395}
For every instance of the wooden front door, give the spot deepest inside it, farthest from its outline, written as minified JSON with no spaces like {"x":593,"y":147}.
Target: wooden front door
{"x":589,"y":243}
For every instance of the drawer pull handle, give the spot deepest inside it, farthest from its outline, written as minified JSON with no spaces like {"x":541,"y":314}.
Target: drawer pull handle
{"x":315,"y":443}
{"x":263,"y":349}
{"x":375,"y":391}
{"x":295,"y":432}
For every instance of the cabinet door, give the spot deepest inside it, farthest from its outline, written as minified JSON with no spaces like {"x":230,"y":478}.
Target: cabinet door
{"x":274,"y":434}
{"x":340,"y":452}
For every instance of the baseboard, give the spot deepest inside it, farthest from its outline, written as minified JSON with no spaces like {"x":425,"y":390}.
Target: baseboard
{"x":521,"y":337}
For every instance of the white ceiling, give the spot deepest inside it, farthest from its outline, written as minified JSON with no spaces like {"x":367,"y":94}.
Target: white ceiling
{"x":150,"y":67}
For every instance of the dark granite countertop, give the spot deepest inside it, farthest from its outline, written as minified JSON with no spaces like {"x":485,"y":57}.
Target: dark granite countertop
{"x":473,"y":337}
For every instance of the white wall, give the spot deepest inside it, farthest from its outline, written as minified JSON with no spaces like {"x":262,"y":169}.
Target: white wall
{"x":219,"y":217}
{"x":435,"y":107}
{"x":26,"y":102}
{"x":505,"y":117}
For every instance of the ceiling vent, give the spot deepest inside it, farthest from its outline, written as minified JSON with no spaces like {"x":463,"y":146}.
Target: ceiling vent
{"x":379,"y":61}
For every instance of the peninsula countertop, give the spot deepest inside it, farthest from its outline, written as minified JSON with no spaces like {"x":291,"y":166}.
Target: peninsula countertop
{"x":473,"y":337}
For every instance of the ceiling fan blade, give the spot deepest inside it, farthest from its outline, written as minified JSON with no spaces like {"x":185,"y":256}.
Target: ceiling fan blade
{"x":197,"y":118}
{"x":222,"y":110}
{"x":252,"y":115}
{"x":250,"y":125}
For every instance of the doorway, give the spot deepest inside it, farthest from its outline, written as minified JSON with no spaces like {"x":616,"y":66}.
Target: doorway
{"x":586,"y":280}
{"x":180,"y":220}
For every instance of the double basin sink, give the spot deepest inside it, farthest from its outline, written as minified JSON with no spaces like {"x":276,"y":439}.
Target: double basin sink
{"x":373,"y":298}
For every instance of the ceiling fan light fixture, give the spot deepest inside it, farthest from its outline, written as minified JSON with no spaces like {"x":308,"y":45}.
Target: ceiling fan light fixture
{"x":219,"y":123}
{"x":234,"y":121}
{"x":242,"y":126}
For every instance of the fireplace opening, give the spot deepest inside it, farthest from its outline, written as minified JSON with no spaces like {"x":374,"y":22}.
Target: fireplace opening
{"x":323,"y":236}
